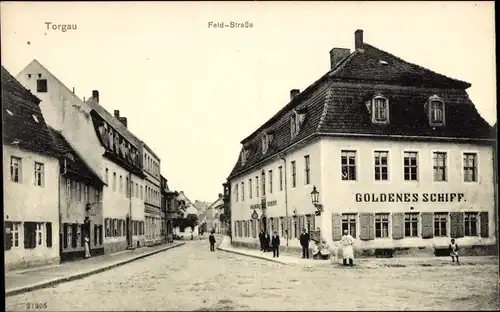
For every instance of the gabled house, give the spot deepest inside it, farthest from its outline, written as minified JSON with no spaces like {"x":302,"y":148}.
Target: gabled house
{"x":188,"y":211}
{"x":390,"y":151}
{"x":213,"y":216}
{"x":30,"y":180}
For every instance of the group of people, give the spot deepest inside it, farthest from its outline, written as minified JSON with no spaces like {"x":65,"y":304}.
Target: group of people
{"x":321,"y":250}
{"x":268,"y":243}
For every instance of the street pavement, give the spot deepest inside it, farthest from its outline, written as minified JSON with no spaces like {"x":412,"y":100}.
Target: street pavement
{"x":190,"y":277}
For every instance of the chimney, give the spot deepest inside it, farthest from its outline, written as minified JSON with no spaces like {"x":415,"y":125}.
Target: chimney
{"x":95,"y":95}
{"x":337,"y":55}
{"x":73,"y":90}
{"x":294,"y":93}
{"x":117,"y":113}
{"x":123,"y":120}
{"x":358,"y":39}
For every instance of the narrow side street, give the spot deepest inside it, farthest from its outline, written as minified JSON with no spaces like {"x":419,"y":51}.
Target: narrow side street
{"x":190,"y":277}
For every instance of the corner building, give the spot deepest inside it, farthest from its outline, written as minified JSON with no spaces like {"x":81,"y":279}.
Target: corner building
{"x":398,"y":153}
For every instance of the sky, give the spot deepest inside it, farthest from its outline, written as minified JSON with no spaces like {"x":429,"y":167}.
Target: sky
{"x":193,"y":92}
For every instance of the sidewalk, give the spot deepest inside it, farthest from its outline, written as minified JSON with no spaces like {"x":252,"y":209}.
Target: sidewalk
{"x":369,"y":263}
{"x":21,"y":281}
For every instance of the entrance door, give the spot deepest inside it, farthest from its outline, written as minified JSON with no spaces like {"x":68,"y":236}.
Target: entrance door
{"x":264,"y":223}
{"x":127,"y":230}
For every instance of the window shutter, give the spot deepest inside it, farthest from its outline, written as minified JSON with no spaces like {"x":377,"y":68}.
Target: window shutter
{"x":26,"y":227}
{"x":74,"y":241}
{"x":289,"y":227}
{"x":364,"y":224}
{"x":371,"y":226}
{"x":397,"y":225}
{"x":427,"y":224}
{"x":82,"y":235}
{"x":100,"y":234}
{"x":65,"y":235}
{"x":457,"y":224}
{"x":7,"y":234}
{"x":336,"y":226}
{"x":483,"y":217}
{"x":48,"y":229}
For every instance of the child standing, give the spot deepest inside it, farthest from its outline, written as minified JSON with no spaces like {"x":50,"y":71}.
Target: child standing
{"x":211,"y":239}
{"x":453,"y":250}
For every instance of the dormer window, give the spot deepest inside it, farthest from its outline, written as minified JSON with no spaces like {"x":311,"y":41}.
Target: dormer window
{"x":436,"y":111}
{"x":296,"y":121}
{"x":380,"y":109}
{"x":265,"y":143}
{"x":244,"y":156}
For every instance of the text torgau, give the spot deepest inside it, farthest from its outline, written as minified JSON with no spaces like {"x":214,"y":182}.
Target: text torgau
{"x":410,"y":197}
{"x":61,"y":27}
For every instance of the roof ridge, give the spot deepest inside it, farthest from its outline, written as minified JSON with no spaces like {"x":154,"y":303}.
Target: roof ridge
{"x":416,"y":65}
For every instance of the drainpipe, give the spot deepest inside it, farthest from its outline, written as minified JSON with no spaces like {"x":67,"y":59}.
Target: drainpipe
{"x":286,"y":204}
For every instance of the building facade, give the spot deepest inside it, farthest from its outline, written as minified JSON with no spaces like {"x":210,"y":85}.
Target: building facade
{"x":80,"y":204}
{"x":152,"y":198}
{"x":213,"y":216}
{"x":169,"y":209}
{"x":30,"y":180}
{"x":399,"y":155}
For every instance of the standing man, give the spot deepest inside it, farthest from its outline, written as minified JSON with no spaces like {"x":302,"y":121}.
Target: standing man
{"x":267,"y":241}
{"x":347,"y":251}
{"x":275,"y":244}
{"x":304,"y":242}
{"x":261,"y":240}
{"x":211,"y":239}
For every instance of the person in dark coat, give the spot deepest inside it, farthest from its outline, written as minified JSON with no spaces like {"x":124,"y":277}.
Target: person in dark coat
{"x":261,"y":240}
{"x":211,"y":239}
{"x":275,"y":244}
{"x":267,"y":241}
{"x":304,"y":242}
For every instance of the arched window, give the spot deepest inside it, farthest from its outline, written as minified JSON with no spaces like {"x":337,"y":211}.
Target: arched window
{"x":436,"y":111}
{"x":380,"y":110}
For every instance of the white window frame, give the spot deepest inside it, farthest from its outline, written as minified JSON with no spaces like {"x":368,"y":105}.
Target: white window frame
{"x":307,"y":169}
{"x":281,"y":177}
{"x":17,"y":231}
{"x":293,"y":175}
{"x":435,"y":166}
{"x":265,"y":143}
{"x":69,"y":236}
{"x":68,"y":189}
{"x":383,"y":221}
{"x":242,"y":191}
{"x":380,"y":166}
{"x":418,"y":216}
{"x":437,"y":219}
{"x":375,"y":109}
{"x":270,"y":177}
{"x":237,"y":190}
{"x":471,"y":152}
{"x":257,"y":193}
{"x":350,"y":219}
{"x":39,"y":174}
{"x":348,"y":153}
{"x":468,"y":223}
{"x":417,"y":166}
{"x":293,"y":125}
{"x":250,"y":188}
{"x":86,"y":193}
{"x":106,"y":176}
{"x":40,"y":241}
{"x":121,"y":184}
{"x":432,"y":110}
{"x":16,"y":165}
{"x":114,"y":181}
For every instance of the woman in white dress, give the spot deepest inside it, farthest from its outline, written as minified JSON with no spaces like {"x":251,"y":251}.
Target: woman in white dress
{"x":87,"y":247}
{"x":347,"y":252}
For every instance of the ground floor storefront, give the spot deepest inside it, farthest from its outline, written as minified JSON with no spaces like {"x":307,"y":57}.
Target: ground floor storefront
{"x":153,"y":227}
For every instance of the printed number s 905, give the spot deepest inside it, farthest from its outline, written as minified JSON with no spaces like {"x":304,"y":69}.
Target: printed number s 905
{"x":36,"y":306}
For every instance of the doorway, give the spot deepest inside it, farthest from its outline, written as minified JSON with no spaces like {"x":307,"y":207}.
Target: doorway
{"x":127,"y":230}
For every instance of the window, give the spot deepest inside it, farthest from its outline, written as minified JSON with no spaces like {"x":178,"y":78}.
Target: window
{"x":39,"y":174}
{"x":86,"y":191}
{"x":263,"y":183}
{"x":242,"y":191}
{"x":470,"y":224}
{"x":114,"y":181}
{"x":127,"y":187}
{"x":78,"y":192}
{"x":97,"y":197}
{"x":281,"y":177}
{"x":381,"y":166}
{"x":294,"y":174}
{"x":41,"y":85}
{"x":257,"y":186}
{"x":307,"y":170}
{"x":440,"y":222}
{"x":250,"y":188}
{"x":348,"y":164}
{"x":293,"y":125}
{"x":410,"y":166}
{"x":282,"y":226}
{"x":15,"y":169}
{"x":68,"y":189}
{"x":270,"y":181}
{"x":380,"y":110}
{"x":439,"y":166}
{"x":265,"y":143}
{"x":411,"y":224}
{"x":470,"y":167}
{"x":137,"y":190}
{"x":79,"y":237}
{"x":121,"y":184}
{"x":436,"y":112}
{"x":141,"y":193}
{"x":106,"y":176}
{"x":296,"y":229}
{"x":237,"y":192}
{"x":69,"y":236}
{"x":16,"y":231}
{"x":382,"y":225}
{"x":349,"y":223}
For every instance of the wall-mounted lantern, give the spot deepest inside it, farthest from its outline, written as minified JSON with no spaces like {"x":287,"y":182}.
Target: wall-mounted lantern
{"x":315,"y":201}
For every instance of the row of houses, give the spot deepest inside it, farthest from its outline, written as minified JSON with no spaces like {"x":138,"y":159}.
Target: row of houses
{"x":73,"y":170}
{"x":394,"y":153}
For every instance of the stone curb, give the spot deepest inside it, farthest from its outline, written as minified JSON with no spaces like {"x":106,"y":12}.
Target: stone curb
{"x":81,"y":275}
{"x":252,"y":256}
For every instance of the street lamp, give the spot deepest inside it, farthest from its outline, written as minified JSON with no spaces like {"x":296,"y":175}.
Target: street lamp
{"x":315,"y":201}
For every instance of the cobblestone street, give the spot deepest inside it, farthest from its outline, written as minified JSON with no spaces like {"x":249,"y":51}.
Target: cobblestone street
{"x":191,"y":277}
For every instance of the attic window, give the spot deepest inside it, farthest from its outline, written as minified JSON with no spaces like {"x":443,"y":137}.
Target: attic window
{"x":41,"y":85}
{"x":436,"y":111}
{"x":265,"y":143}
{"x":35,"y":119}
{"x":380,"y":109}
{"x":9,"y":112}
{"x":296,"y":121}
{"x":383,"y":62}
{"x":244,"y":156}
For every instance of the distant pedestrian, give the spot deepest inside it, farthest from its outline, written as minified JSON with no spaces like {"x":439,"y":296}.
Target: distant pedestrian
{"x":267,"y":241}
{"x":304,"y":242}
{"x":347,"y":251}
{"x":453,"y":251}
{"x":275,"y":244}
{"x":211,"y":239}
{"x":261,"y":240}
{"x":87,"y":247}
